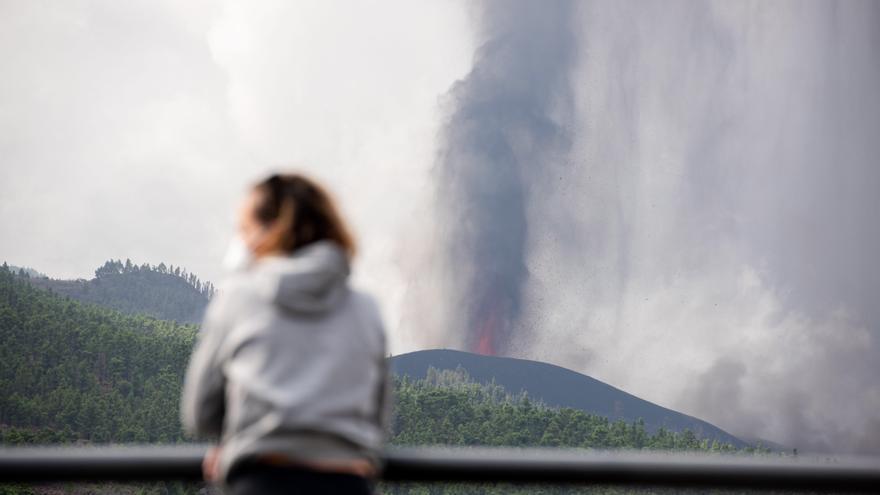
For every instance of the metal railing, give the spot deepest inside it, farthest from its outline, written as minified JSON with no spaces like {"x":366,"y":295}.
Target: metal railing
{"x":475,"y":465}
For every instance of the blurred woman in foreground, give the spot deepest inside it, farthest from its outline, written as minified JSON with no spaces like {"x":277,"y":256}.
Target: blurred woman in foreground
{"x":289,"y":370}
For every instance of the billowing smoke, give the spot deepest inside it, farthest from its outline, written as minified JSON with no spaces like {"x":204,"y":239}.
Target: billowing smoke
{"x":680,"y":198}
{"x":509,"y":125}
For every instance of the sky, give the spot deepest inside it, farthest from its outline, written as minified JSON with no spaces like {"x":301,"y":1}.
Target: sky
{"x":131,"y":130}
{"x":694,"y":216}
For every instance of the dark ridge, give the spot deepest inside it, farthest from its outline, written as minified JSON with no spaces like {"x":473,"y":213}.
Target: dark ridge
{"x":160,"y":291}
{"x":558,"y":387}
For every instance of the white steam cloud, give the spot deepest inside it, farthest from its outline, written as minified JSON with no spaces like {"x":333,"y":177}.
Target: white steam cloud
{"x":714,"y":248}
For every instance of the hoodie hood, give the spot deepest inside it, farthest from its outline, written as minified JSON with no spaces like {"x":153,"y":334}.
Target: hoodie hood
{"x":311,"y":280}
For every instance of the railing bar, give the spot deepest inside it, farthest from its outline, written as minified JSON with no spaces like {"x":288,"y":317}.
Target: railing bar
{"x":473,"y":465}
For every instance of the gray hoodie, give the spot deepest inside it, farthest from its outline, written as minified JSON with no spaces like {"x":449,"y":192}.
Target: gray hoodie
{"x":290,"y":360}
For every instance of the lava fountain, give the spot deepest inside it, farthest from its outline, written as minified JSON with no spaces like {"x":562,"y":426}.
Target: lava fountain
{"x":507,"y":127}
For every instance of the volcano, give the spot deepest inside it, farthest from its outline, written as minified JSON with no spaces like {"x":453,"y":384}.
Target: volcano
{"x":558,"y":387}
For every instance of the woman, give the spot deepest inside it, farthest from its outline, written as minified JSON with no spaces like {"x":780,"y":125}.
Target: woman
{"x":289,"y":370}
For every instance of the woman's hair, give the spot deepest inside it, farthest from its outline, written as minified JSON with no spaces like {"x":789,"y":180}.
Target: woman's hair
{"x":299,"y":212}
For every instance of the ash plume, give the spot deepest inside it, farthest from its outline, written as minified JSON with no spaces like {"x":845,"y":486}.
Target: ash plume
{"x":508,"y":126}
{"x":678,"y":198}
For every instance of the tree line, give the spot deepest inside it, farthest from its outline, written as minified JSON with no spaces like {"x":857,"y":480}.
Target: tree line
{"x":118,"y":267}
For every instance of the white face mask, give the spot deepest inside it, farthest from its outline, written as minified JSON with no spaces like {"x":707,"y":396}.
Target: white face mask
{"x":238,"y":255}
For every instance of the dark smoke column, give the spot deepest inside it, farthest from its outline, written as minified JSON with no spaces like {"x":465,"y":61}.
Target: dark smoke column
{"x":508,"y":128}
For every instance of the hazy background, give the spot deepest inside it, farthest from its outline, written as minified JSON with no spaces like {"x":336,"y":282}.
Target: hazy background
{"x":131,"y":129}
{"x":683,"y":194}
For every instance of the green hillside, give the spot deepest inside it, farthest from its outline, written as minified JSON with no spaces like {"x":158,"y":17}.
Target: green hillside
{"x":73,"y":371}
